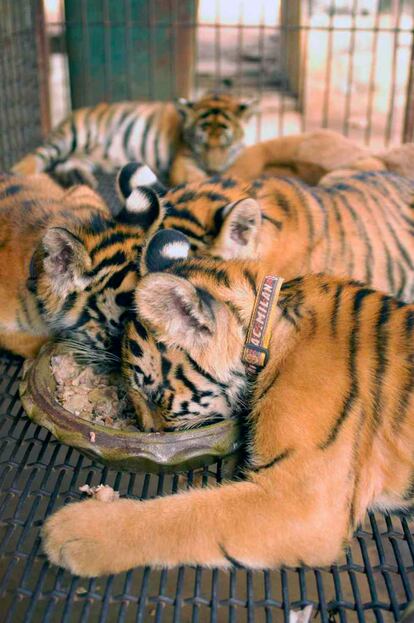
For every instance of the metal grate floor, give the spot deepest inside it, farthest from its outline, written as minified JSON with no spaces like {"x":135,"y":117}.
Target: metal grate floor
{"x":373,"y":582}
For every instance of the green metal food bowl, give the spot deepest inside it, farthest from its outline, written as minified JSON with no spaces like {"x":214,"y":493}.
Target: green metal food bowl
{"x":125,"y":450}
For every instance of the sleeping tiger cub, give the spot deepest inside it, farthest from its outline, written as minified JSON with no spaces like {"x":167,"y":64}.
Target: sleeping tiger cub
{"x":360,"y":227}
{"x":182,"y":141}
{"x":66,"y":265}
{"x":330,"y":430}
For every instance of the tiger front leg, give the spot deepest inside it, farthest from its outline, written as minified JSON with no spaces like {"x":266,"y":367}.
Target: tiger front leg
{"x":22,"y":344}
{"x":29,"y":165}
{"x":236,"y":523}
{"x":184,"y":170}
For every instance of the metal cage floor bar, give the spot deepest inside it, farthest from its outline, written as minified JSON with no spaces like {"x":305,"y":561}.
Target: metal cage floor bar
{"x":373,"y":582}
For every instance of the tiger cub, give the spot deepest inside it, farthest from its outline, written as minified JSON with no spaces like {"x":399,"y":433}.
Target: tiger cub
{"x":330,"y":430}
{"x":67,"y":267}
{"x":360,"y":226}
{"x":181,"y":141}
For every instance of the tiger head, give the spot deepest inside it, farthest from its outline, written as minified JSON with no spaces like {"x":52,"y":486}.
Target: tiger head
{"x":181,"y":354}
{"x":84,"y":271}
{"x":213,"y":129}
{"x":219,"y":216}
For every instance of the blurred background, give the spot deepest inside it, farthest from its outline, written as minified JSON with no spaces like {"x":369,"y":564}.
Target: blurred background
{"x":342,"y":64}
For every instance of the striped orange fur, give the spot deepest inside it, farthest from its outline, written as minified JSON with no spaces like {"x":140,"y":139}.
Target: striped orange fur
{"x":67,"y":267}
{"x":360,"y":226}
{"x":181,"y":141}
{"x":330,"y":430}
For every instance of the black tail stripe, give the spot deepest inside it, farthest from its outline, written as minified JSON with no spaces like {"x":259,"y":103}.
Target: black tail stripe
{"x":147,"y":128}
{"x":87,"y":124}
{"x":363,"y":236}
{"x":115,"y":130}
{"x":127,"y":135}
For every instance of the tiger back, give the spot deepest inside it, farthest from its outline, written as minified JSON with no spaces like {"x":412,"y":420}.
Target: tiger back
{"x":181,"y":141}
{"x":329,"y":431}
{"x":360,"y":226}
{"x":67,"y":267}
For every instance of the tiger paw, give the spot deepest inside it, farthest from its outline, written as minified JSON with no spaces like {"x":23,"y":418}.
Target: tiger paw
{"x":75,"y":171}
{"x":29,"y":165}
{"x":85,"y":537}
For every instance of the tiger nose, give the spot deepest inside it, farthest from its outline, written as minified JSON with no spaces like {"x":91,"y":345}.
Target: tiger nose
{"x":151,"y":406}
{"x":146,"y":412}
{"x":104,"y":341}
{"x":158,"y":423}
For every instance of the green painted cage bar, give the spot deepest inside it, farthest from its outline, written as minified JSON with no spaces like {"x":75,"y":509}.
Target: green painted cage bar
{"x":136,"y":49}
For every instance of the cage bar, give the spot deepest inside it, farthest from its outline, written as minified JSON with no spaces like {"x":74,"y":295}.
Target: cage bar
{"x":24,"y":108}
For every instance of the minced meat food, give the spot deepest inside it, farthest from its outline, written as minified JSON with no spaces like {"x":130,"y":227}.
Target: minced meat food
{"x":99,"y":398}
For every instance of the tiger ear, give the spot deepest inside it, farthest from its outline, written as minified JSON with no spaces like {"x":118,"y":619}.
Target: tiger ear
{"x":137,"y":186}
{"x":66,"y":260}
{"x":246,"y":109}
{"x":165,"y":248}
{"x":180,"y":314}
{"x":185,"y":108}
{"x":240,"y":231}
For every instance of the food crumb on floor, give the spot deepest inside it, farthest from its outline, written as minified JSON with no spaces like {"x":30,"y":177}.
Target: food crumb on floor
{"x":103,"y":493}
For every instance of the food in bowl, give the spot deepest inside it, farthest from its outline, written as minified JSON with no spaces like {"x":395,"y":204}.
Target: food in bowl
{"x":93,"y":396}
{"x":126,"y":448}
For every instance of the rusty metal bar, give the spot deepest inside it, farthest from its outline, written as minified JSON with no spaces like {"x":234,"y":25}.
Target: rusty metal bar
{"x":304,"y":64}
{"x":222,"y":26}
{"x":328,"y":73}
{"x":261,"y":73}
{"x":150,"y":26}
{"x":408,"y":129}
{"x":283,"y":29}
{"x":351,"y":54}
{"x":128,"y":46}
{"x":85,"y":51}
{"x":23,"y":78}
{"x":240,"y":49}
{"x":43,"y":67}
{"x":174,"y":39}
{"x":391,"y":100}
{"x":217,"y":42}
{"x":107,"y":68}
{"x":371,"y":80}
